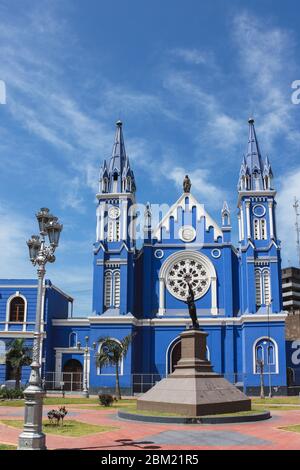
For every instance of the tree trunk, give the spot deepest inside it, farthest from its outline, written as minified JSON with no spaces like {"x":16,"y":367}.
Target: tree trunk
{"x":18,"y":378}
{"x":118,"y":390}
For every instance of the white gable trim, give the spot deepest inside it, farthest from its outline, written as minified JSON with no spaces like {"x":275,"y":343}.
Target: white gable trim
{"x":200,"y":211}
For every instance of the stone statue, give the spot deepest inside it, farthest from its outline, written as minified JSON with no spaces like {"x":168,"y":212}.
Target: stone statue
{"x":187,"y":184}
{"x":192,"y":308}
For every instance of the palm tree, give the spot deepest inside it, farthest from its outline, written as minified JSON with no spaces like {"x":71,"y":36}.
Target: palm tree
{"x":18,"y":355}
{"x":111,"y":354}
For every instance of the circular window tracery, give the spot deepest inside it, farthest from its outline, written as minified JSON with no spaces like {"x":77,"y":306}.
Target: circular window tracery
{"x":184,"y":272}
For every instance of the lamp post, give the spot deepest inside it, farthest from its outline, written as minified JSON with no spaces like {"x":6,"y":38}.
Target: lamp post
{"x":32,"y":437}
{"x":269,"y":348}
{"x":85,"y":391}
{"x":260,"y":366}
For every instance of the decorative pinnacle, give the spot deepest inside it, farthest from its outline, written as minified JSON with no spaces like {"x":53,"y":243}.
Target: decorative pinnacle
{"x":251,"y":120}
{"x":119,"y":123}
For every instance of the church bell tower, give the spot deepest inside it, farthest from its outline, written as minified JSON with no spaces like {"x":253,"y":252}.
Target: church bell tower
{"x":113,"y":282}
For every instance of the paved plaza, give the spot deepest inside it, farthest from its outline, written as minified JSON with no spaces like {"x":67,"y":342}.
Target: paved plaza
{"x":148,"y":436}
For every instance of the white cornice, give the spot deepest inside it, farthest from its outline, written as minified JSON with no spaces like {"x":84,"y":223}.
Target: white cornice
{"x":164,"y":321}
{"x":251,"y":194}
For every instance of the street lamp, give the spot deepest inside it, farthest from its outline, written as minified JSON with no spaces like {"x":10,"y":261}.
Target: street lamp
{"x":269,"y":348}
{"x":85,"y":391}
{"x":32,"y":437}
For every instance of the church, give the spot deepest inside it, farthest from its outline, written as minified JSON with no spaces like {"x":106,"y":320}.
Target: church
{"x":141,"y":287}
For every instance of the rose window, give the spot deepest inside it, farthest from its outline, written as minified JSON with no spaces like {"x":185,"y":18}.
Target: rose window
{"x":185,"y":272}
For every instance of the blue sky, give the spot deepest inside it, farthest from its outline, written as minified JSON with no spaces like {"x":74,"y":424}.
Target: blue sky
{"x":184,"y":78}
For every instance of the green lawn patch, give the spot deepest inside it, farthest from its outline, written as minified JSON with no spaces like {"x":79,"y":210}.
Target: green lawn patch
{"x":277,"y":401}
{"x":7,"y":447}
{"x":121,"y":404}
{"x":133,"y":410}
{"x":293,"y":428}
{"x":71,"y":427}
{"x":13,"y":403}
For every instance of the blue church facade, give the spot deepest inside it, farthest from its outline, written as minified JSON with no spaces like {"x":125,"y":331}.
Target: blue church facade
{"x":141,"y":288}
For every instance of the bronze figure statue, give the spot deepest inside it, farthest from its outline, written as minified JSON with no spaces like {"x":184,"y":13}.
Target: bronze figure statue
{"x":190,"y":301}
{"x":187,"y":184}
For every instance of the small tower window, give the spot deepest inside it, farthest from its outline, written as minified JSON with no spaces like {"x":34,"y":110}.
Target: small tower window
{"x":112,"y":289}
{"x":117,"y":289}
{"x":263,"y":229}
{"x":258,"y":288}
{"x":105,"y":185}
{"x":259,"y":229}
{"x":17,"y":310}
{"x":256,"y":229}
{"x":115,"y":182}
{"x":108,"y":289}
{"x":113,"y":231}
{"x":266,"y":287}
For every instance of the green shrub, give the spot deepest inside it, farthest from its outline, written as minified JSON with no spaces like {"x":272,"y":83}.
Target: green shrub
{"x":11,"y":394}
{"x":106,"y":399}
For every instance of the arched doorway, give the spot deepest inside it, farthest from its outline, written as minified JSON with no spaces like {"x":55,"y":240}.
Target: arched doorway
{"x":174,"y":354}
{"x":72,"y":375}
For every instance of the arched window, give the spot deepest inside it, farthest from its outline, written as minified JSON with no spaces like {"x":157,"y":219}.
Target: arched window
{"x":262,"y":287}
{"x":73,"y":340}
{"x":266,"y":286}
{"x":259,"y":229}
{"x":265,"y":352}
{"x":128,"y":183}
{"x":112,"y":289}
{"x":17,"y":309}
{"x":113,"y":231}
{"x":258,"y":287}
{"x":108,"y":289}
{"x":256,"y":229}
{"x":115,"y":182}
{"x":117,"y":289}
{"x":105,"y":185}
{"x":263,"y":229}
{"x":109,"y":370}
{"x":110,"y":231}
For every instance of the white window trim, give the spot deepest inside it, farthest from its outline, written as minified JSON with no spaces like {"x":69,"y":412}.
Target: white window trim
{"x":121,"y":365}
{"x":7,"y":322}
{"x":76,"y":337}
{"x":107,"y":274}
{"x":276,"y":356}
{"x":177,"y":257}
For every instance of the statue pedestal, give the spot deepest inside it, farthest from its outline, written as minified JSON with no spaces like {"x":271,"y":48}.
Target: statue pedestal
{"x":193,"y":389}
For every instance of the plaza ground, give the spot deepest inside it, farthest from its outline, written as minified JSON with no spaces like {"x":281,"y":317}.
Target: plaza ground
{"x":107,"y":432}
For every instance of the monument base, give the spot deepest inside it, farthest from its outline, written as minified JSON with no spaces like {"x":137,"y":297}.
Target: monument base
{"x":193,"y":389}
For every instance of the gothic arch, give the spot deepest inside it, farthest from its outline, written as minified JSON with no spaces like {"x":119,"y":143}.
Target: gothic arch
{"x":8,"y":306}
{"x":169,"y":353}
{"x":180,"y":256}
{"x":254,"y":353}
{"x":121,"y":364}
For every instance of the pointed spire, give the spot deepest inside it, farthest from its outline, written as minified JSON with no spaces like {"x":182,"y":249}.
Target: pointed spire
{"x":117,"y":177}
{"x":251,"y":173}
{"x":118,"y":156}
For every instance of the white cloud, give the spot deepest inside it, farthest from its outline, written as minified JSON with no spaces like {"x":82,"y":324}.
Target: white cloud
{"x":266,"y":58}
{"x":214,"y":125}
{"x":192,"y":56}
{"x":286,"y":216}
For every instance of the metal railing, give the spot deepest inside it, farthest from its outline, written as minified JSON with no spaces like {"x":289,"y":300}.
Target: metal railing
{"x":66,"y":381}
{"x":137,"y":383}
